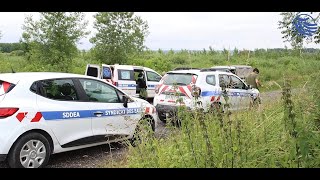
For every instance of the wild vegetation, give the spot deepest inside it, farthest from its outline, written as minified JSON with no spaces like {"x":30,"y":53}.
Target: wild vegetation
{"x":285,"y":133}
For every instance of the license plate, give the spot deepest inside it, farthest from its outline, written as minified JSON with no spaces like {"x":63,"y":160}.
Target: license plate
{"x":168,"y":97}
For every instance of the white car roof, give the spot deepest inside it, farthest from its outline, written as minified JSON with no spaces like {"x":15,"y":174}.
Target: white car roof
{"x":198,"y":72}
{"x":193,"y":71}
{"x":34,"y":76}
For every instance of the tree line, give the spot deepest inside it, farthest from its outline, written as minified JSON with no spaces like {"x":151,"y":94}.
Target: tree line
{"x":52,"y":40}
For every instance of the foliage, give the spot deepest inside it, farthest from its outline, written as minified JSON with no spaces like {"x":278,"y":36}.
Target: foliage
{"x":52,"y":39}
{"x":9,"y":47}
{"x":276,"y":136}
{"x":120,"y":34}
{"x":291,"y":35}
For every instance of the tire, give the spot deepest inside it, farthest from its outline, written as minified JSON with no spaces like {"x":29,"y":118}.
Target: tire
{"x":162,"y":119}
{"x":36,"y":148}
{"x":145,"y":129}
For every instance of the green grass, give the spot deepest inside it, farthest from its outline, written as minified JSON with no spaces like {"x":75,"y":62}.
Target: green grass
{"x":243,"y":139}
{"x":272,"y":65}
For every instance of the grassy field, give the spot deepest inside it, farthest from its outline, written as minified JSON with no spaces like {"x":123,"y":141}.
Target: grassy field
{"x":272,"y":65}
{"x":285,"y":133}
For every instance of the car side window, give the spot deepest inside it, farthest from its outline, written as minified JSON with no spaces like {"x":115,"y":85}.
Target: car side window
{"x":59,"y":89}
{"x":100,"y":92}
{"x":211,"y":79}
{"x":236,"y":83}
{"x":224,"y":80}
{"x":151,"y":76}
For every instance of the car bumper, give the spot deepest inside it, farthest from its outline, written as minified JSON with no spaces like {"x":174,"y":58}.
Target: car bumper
{"x":3,"y":157}
{"x":165,"y":111}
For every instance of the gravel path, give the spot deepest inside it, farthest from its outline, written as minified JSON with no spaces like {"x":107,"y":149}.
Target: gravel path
{"x":95,"y":157}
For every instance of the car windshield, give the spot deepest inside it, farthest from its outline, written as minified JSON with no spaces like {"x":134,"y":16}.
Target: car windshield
{"x":178,"y":79}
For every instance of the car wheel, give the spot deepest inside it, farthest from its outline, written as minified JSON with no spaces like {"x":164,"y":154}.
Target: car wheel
{"x":162,"y":119}
{"x":30,"y":151}
{"x":144,"y":130}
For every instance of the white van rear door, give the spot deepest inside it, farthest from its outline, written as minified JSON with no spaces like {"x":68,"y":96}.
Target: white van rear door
{"x":93,"y":70}
{"x":126,"y":80}
{"x":153,"y":80}
{"x":107,"y":74}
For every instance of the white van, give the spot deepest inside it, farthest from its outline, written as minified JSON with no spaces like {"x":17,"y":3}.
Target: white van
{"x":125,"y":77}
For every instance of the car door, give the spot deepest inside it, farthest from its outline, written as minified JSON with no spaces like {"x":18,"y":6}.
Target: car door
{"x":60,"y":105}
{"x":126,"y":81}
{"x":93,"y":70}
{"x":106,"y":73}
{"x":109,"y":116}
{"x":152,"y":81}
{"x":240,"y":92}
{"x":224,"y":82}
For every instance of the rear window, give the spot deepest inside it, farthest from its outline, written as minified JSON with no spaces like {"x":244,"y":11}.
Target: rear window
{"x":5,"y":87}
{"x":92,"y":71}
{"x":126,"y":74}
{"x":178,"y":79}
{"x":211,"y":79}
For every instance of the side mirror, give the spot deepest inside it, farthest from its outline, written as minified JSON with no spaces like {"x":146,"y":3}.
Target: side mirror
{"x":125,"y":101}
{"x":248,"y":87}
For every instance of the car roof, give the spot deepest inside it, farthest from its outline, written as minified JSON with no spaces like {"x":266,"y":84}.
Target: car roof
{"x":192,"y":71}
{"x":34,"y":76}
{"x":198,"y":71}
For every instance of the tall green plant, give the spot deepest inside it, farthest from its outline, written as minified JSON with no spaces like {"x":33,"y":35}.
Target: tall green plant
{"x":52,"y":39}
{"x":119,"y":35}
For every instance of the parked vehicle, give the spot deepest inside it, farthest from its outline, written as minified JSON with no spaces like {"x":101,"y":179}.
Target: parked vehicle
{"x":240,"y":70}
{"x":201,"y":89}
{"x":47,"y":113}
{"x":125,"y":77}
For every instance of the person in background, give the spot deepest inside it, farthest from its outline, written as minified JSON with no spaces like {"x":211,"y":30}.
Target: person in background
{"x":253,"y":80}
{"x":141,"y":86}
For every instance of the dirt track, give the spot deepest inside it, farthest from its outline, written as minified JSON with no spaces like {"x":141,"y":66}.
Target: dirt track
{"x":95,"y":156}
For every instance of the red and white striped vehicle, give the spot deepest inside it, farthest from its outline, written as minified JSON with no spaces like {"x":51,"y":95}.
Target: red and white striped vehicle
{"x":201,"y":88}
{"x":46,"y":113}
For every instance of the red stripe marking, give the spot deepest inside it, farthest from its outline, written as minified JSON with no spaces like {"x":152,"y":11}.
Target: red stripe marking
{"x":165,"y":87}
{"x":161,"y":100}
{"x":183,"y":91}
{"x":190,"y":88}
{"x":193,"y":80}
{"x":20,"y":116}
{"x":218,"y":99}
{"x":37,"y":117}
{"x":6,"y":86}
{"x":171,"y":101}
{"x":212,"y":98}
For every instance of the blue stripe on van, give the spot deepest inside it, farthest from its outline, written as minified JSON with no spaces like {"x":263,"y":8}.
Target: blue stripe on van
{"x":215,"y":93}
{"x":127,"y":85}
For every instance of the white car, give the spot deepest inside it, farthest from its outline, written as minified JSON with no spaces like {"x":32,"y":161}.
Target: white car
{"x":46,"y":113}
{"x":201,"y":88}
{"x":125,"y":77}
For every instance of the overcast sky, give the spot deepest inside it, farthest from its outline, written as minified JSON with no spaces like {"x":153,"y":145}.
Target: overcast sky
{"x":185,"y":30}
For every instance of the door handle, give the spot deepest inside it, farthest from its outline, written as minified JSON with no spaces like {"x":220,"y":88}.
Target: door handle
{"x":98,"y":113}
